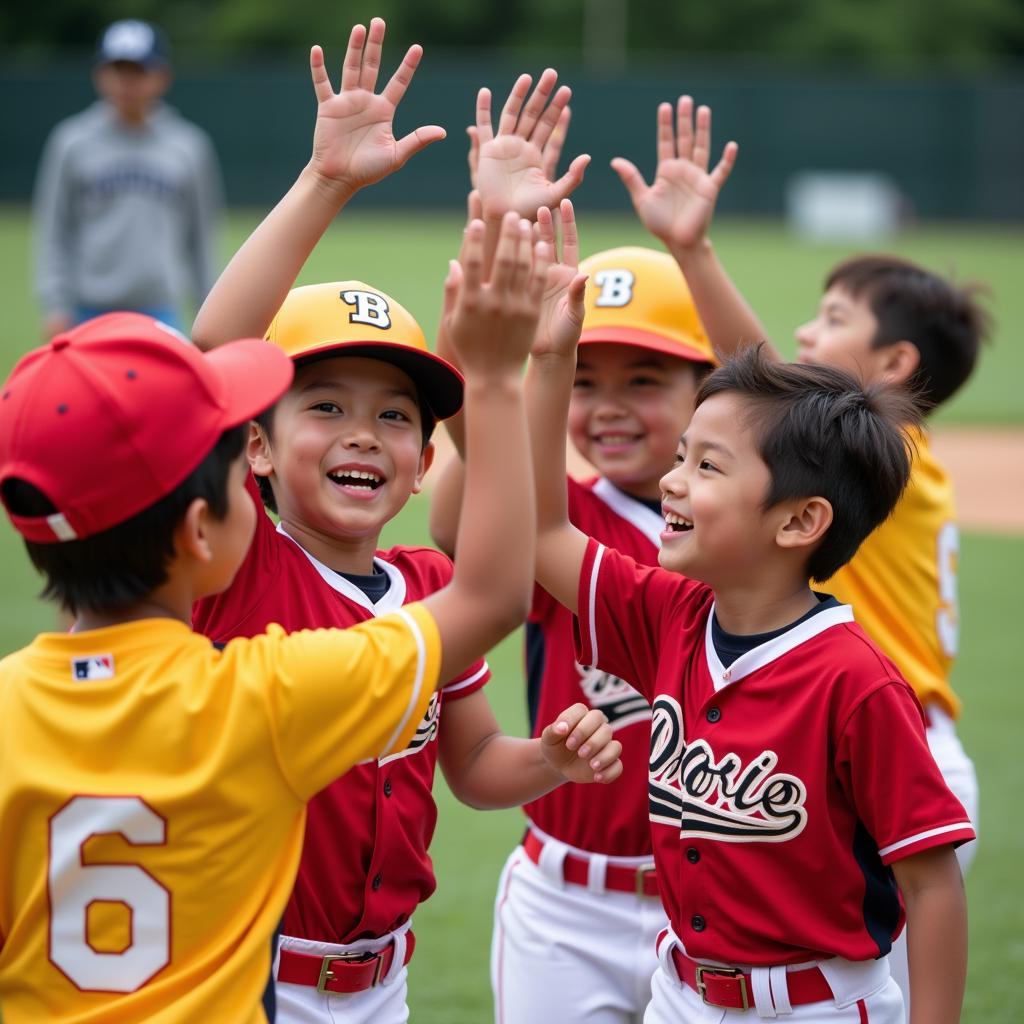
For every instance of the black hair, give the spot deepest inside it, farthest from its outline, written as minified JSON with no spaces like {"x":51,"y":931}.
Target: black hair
{"x":120,"y":566}
{"x":265,"y":421}
{"x":945,"y":323}
{"x":821,"y":433}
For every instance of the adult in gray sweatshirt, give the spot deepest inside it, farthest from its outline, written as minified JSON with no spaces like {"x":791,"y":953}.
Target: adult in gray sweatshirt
{"x":128,"y":195}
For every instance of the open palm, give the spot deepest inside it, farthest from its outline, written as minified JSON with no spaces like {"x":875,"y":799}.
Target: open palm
{"x":353,"y":141}
{"x":679,"y":205}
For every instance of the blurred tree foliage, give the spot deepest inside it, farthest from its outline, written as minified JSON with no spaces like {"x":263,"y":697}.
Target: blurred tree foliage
{"x":951,"y":35}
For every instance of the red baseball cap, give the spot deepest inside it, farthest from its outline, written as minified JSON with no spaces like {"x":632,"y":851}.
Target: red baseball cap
{"x":111,"y":416}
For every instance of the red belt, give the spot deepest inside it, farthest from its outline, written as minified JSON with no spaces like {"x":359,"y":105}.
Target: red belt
{"x":729,"y":988}
{"x":340,"y":972}
{"x":640,"y":880}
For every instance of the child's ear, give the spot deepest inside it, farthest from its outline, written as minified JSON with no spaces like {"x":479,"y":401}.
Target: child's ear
{"x":426,"y":461}
{"x":257,"y":451}
{"x":190,"y":537}
{"x":807,"y":522}
{"x":900,"y":361}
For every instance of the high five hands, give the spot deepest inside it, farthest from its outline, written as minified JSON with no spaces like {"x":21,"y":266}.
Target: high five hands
{"x":679,"y":205}
{"x":353,"y":141}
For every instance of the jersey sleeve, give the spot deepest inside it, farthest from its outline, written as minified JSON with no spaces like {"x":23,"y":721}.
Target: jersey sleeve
{"x":336,"y":697}
{"x":468,"y":682}
{"x":624,"y":610}
{"x":884,"y":763}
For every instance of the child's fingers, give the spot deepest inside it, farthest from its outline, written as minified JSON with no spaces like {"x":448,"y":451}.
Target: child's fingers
{"x":473,"y":156}
{"x":666,"y":137}
{"x":399,"y":82}
{"x":353,"y":58}
{"x":474,"y":206}
{"x":510,"y":112}
{"x":536,"y":103}
{"x":550,"y":118}
{"x":724,"y":166}
{"x":591,"y":734}
{"x":569,"y":181}
{"x":570,"y":236}
{"x":472,"y":257}
{"x":609,"y":774}
{"x":484,"y":126}
{"x":504,"y":268}
{"x":371,"y":55}
{"x":543,"y":254}
{"x":702,"y":138}
{"x":604,"y":757}
{"x":576,"y":298}
{"x":322,"y":88}
{"x":545,"y":227}
{"x":552,"y":151}
{"x":630,"y":177}
{"x":416,"y":140}
{"x":684,"y":127}
{"x":524,"y":258}
{"x":452,"y":283}
{"x":556,"y":733}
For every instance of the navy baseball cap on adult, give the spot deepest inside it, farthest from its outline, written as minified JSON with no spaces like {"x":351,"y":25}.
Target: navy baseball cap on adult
{"x":111,"y":416}
{"x":137,"y":42}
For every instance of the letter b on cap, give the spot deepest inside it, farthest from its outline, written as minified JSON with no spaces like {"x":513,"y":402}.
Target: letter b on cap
{"x":371,"y":309}
{"x":616,"y":287}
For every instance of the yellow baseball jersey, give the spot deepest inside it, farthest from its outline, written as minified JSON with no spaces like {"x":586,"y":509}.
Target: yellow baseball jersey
{"x":902,"y":581}
{"x":152,"y":804}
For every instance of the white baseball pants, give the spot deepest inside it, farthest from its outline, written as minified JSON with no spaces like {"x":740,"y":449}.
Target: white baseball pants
{"x":562,"y":952}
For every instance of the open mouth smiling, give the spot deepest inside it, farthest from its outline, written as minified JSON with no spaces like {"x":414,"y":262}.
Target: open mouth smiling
{"x":356,"y":479}
{"x":677,"y":524}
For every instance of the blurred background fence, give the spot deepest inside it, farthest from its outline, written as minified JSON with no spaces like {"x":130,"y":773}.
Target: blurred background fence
{"x":952,"y":143}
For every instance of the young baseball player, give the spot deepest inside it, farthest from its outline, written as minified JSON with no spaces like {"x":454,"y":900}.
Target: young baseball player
{"x":885,"y":320}
{"x":338,"y":456}
{"x":780,"y":833}
{"x":152,"y":787}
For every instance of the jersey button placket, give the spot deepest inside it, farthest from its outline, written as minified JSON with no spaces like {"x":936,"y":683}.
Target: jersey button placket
{"x":387,"y":787}
{"x":693,"y":854}
{"x":377,"y":881}
{"x":697,"y":923}
{"x":714,"y":714}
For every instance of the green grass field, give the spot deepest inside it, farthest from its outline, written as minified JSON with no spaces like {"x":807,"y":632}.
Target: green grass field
{"x":406,"y":256}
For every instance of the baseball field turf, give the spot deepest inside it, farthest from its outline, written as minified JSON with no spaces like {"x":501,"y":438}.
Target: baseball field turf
{"x":406,"y":256}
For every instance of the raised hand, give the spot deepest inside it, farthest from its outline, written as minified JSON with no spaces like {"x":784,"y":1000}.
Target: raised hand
{"x":353,"y":141}
{"x":561,"y":316}
{"x":579,"y":746}
{"x":679,"y":205}
{"x":515,"y":168}
{"x":491,"y":323}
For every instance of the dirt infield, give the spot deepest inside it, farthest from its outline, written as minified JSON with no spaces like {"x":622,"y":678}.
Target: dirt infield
{"x":987,"y":465}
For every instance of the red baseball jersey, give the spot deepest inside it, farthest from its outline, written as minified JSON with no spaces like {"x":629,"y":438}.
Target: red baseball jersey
{"x":781,"y":787}
{"x":365,"y":865}
{"x":608,"y":819}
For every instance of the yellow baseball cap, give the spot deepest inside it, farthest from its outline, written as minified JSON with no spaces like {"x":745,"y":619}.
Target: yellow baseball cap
{"x":638,"y":296}
{"x":353,"y":319}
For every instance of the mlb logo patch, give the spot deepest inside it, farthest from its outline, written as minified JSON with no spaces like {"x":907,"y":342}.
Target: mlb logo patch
{"x":96,"y":666}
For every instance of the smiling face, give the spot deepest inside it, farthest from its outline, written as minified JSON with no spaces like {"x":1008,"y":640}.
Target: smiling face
{"x":346,"y":452}
{"x":629,"y":406}
{"x":716,"y":529}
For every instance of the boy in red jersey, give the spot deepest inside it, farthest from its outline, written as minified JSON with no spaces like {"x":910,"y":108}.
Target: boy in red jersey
{"x":884,"y":319}
{"x":791,"y":786}
{"x":338,"y":457}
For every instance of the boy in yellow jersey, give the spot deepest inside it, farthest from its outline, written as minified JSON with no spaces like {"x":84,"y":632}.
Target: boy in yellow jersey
{"x":153,"y":787}
{"x":886,"y":320}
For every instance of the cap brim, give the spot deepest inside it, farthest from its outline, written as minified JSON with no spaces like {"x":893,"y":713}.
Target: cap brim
{"x":645,"y":339}
{"x":256,"y":374}
{"x":439,"y":383}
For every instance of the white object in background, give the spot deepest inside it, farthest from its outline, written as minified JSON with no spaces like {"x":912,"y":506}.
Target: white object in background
{"x":840,"y":206}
